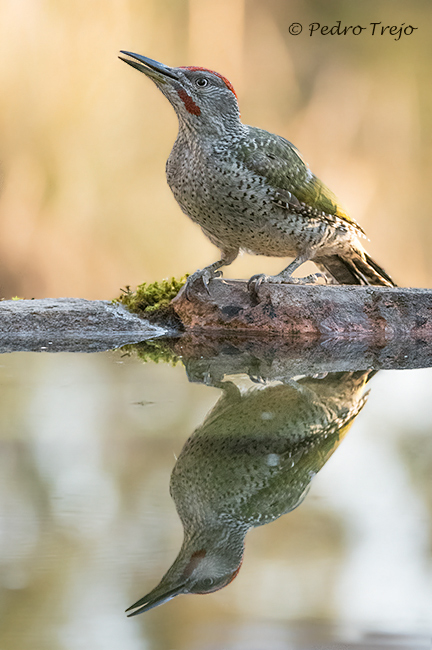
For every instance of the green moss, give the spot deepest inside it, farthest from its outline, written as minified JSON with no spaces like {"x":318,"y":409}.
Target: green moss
{"x":149,"y":298}
{"x":155,"y":351}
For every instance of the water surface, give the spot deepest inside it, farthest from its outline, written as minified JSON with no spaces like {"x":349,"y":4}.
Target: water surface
{"x":88,"y":527}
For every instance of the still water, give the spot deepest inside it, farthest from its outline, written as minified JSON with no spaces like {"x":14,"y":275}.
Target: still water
{"x":326,"y":478}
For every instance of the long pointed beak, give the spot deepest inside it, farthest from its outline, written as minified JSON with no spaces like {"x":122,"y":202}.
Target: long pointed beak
{"x":154,"y":598}
{"x":151,"y":68}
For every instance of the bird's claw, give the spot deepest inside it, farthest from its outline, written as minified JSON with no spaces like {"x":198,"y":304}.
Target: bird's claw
{"x":205,"y":275}
{"x":314,"y":278}
{"x":255,"y":282}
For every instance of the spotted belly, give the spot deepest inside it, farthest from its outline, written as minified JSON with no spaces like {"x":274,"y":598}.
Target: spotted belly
{"x":237,"y":210}
{"x":260,"y":229}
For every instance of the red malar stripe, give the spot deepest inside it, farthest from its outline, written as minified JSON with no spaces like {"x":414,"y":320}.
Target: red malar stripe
{"x":189,"y":103}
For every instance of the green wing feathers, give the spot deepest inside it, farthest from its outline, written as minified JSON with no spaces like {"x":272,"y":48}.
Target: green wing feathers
{"x":281,"y":164}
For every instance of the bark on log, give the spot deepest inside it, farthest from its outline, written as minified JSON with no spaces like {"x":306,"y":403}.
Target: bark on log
{"x":374,"y":313}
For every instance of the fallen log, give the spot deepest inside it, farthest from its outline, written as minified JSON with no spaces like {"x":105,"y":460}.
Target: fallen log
{"x":374,"y":313}
{"x":371,"y":316}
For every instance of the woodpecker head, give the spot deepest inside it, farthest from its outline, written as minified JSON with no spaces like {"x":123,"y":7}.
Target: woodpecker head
{"x":197,"y":569}
{"x":199,"y":96}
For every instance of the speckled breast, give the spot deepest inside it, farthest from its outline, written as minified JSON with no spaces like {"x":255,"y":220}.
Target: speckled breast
{"x":233,"y":205}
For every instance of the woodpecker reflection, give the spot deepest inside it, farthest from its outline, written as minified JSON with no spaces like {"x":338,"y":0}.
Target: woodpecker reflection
{"x":251,"y":461}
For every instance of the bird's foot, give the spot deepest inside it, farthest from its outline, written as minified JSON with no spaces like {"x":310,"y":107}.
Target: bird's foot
{"x":202,"y":275}
{"x":257,"y":280}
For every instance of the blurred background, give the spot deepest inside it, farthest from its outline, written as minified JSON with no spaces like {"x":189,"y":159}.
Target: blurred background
{"x":84,"y":206}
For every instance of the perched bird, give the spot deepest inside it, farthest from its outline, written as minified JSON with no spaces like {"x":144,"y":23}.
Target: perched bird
{"x":251,"y":190}
{"x":251,"y":461}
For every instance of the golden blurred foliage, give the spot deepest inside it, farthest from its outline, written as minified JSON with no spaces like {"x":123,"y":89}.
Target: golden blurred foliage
{"x":85,"y":208}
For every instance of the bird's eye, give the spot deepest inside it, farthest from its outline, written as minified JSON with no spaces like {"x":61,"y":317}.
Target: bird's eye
{"x":202,"y":82}
{"x":207,"y":582}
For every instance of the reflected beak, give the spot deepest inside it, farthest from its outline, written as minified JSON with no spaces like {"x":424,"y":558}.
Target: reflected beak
{"x":153,"y":69}
{"x":155,"y":598}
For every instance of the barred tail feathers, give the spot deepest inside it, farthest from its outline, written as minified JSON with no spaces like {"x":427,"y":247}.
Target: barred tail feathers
{"x":380,"y":271}
{"x":358,"y":269}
